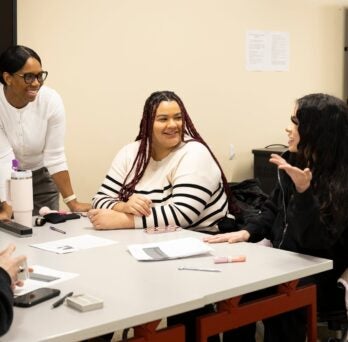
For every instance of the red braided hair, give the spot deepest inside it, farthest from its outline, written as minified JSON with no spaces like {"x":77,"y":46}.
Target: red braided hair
{"x":143,"y":156}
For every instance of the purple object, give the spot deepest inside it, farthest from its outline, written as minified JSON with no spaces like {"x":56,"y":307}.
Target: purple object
{"x":15,"y":164}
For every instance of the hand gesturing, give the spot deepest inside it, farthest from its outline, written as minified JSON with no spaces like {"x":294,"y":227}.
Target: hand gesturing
{"x":301,"y":178}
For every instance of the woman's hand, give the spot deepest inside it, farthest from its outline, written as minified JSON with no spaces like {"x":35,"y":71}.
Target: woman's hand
{"x":11,"y":264}
{"x":137,"y":205}
{"x":110,"y":219}
{"x":78,"y":207}
{"x":5,"y":211}
{"x":240,"y":236}
{"x":301,"y":178}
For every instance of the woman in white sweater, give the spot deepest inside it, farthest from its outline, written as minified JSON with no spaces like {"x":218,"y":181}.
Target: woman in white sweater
{"x":168,"y":176}
{"x":32,"y":128}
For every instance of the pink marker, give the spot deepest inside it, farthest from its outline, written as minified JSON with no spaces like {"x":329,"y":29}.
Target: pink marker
{"x":226,"y":259}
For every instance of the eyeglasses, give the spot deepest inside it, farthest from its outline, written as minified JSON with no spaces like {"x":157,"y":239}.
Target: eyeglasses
{"x":29,"y":77}
{"x":165,"y":229}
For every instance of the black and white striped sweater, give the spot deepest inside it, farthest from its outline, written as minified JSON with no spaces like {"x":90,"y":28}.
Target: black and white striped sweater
{"x":185,"y":187}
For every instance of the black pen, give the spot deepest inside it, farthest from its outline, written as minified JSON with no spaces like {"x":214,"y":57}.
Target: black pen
{"x":58,"y":230}
{"x":60,"y":301}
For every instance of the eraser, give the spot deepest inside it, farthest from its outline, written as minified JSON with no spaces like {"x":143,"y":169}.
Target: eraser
{"x":84,"y":302}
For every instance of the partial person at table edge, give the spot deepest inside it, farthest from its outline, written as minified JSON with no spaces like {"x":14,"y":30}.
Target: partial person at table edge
{"x":167,"y":176}
{"x":9,"y":268}
{"x":32,"y":129}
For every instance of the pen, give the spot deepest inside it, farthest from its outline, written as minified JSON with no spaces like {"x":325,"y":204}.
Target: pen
{"x":58,"y":230}
{"x":183,"y":268}
{"x":60,"y":301}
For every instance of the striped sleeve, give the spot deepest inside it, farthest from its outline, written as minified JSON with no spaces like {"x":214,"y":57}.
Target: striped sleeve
{"x":107,"y":194}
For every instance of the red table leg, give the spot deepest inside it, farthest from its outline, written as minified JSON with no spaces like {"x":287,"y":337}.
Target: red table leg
{"x":231,"y":314}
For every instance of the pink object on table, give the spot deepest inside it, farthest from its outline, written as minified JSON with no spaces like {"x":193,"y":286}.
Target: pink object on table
{"x":226,"y":259}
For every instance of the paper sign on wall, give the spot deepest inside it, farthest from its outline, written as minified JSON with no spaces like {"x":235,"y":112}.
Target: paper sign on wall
{"x":267,"y":51}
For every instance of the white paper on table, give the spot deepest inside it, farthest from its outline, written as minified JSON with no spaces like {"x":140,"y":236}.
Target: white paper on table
{"x":74,"y":244}
{"x":173,"y":249}
{"x":31,"y":284}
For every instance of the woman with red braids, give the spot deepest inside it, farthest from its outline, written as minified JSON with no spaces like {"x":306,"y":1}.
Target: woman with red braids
{"x":168,"y":176}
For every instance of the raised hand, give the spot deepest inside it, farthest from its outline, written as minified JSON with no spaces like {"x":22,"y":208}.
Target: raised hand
{"x":301,"y":178}
{"x":11,"y":264}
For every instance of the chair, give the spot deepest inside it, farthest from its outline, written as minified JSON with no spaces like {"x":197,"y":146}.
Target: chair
{"x":337,"y":321}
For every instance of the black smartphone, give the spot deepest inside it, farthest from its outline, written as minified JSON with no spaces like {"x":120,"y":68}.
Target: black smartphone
{"x":35,"y":297}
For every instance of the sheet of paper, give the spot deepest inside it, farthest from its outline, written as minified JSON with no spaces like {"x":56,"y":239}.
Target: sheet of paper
{"x":172,"y":249}
{"x":267,"y":50}
{"x":74,"y":244}
{"x":43,"y":277}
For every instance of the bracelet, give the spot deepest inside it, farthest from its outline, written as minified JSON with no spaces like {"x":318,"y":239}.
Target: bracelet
{"x":69,"y":198}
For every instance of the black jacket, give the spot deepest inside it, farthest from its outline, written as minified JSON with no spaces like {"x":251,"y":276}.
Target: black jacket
{"x":6,"y":302}
{"x":291,"y":221}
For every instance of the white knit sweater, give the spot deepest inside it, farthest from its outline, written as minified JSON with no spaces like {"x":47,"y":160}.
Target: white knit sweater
{"x":185,"y":187}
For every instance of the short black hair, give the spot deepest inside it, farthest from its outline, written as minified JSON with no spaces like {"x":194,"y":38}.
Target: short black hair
{"x":14,"y":58}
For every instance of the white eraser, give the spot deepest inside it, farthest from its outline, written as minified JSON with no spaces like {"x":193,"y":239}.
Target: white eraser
{"x":84,"y":302}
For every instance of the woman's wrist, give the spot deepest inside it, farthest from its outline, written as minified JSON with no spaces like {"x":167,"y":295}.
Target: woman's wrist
{"x":118,"y":206}
{"x":72,"y":205}
{"x":302,"y":189}
{"x":69,"y":198}
{"x":245,"y":235}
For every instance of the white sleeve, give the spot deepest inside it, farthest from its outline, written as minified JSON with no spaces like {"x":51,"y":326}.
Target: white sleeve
{"x":6,"y":157}
{"x":54,"y":156}
{"x":6,"y":151}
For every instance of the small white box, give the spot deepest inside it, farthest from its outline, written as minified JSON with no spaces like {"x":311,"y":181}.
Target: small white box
{"x":84,"y":302}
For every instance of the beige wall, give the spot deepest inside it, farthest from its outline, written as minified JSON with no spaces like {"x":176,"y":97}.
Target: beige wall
{"x":105,"y":57}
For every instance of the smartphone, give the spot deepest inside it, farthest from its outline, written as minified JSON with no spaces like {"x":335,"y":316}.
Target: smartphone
{"x":35,"y":297}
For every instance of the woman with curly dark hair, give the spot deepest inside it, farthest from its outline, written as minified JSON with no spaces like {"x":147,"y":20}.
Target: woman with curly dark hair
{"x":307,"y":211}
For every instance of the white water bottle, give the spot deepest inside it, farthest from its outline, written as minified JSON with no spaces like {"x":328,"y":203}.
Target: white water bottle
{"x":21,"y":194}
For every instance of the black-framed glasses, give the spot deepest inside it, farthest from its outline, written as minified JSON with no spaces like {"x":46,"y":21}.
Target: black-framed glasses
{"x":29,"y":77}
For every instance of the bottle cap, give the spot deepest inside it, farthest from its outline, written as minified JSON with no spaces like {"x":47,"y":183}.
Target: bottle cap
{"x":15,"y":164}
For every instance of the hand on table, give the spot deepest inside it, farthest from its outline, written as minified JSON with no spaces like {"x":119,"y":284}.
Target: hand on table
{"x":137,"y":205}
{"x":240,"y":236}
{"x":110,"y":219}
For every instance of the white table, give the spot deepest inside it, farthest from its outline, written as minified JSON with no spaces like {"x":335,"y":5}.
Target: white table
{"x":136,"y":292}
